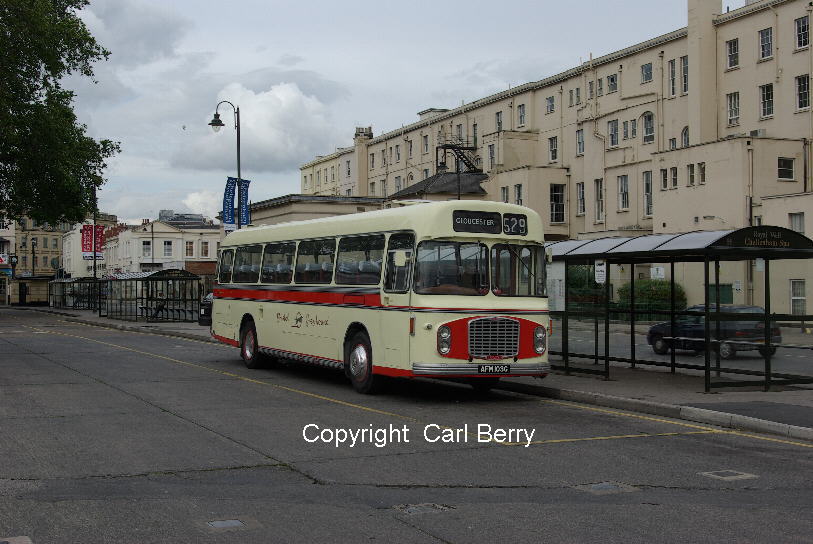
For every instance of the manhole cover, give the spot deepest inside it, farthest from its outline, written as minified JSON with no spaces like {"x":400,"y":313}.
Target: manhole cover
{"x":606,"y":488}
{"x":728,"y":475}
{"x":226,"y":524}
{"x":423,"y":508}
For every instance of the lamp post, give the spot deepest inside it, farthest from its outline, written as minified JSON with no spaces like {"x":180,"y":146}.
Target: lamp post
{"x":216,"y":125}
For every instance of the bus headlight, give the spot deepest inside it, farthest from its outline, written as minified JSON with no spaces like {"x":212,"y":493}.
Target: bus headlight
{"x":444,"y":339}
{"x":540,"y":339}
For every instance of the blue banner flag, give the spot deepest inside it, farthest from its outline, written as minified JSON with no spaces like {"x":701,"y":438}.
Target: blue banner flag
{"x":245,"y":215}
{"x":228,"y":204}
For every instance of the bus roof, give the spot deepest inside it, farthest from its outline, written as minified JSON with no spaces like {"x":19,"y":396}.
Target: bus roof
{"x":428,"y":220}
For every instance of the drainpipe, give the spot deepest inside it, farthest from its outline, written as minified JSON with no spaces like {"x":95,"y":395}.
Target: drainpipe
{"x":809,"y":10}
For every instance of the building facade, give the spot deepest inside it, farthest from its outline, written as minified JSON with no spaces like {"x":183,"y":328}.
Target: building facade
{"x":707,"y":127}
{"x":74,"y":265}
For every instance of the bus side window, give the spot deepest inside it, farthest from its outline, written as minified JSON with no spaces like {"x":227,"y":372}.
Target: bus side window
{"x":247,"y":264}
{"x":314,"y":261}
{"x":278,"y":261}
{"x":226,"y":260}
{"x":359,"y":260}
{"x":397,"y":275}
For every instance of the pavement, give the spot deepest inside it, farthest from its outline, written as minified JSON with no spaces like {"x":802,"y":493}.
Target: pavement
{"x":785,"y":411}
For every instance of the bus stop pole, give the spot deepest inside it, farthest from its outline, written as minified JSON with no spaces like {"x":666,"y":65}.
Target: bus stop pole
{"x":767,"y":318}
{"x":706,"y":325}
{"x":606,"y":323}
{"x":672,"y":325}
{"x":632,"y":315}
{"x":717,"y":316}
{"x":565,"y":343}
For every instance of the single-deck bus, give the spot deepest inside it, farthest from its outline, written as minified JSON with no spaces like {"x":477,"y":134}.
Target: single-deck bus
{"x":445,"y":289}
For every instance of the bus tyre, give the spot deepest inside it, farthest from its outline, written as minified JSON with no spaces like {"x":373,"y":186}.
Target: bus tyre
{"x":483,"y":385}
{"x":249,"y":348}
{"x":358,"y":364}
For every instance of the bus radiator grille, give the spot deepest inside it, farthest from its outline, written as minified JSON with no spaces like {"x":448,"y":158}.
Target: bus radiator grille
{"x":491,"y":337}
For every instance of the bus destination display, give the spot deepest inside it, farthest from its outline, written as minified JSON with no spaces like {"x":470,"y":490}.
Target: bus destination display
{"x":489,"y":222}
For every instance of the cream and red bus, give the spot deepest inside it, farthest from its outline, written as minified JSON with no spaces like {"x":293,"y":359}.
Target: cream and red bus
{"x":450,"y":289}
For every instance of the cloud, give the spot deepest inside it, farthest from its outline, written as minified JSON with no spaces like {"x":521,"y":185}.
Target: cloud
{"x":135,"y":32}
{"x":206,"y":202}
{"x":289,"y":60}
{"x":281,"y":128}
{"x":311,"y":83}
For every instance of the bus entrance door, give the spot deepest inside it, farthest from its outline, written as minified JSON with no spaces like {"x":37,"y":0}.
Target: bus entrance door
{"x":395,"y":321}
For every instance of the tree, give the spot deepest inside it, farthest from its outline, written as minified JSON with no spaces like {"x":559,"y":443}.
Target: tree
{"x":50,"y":168}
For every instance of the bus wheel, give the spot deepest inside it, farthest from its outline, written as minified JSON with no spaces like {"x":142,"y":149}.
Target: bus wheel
{"x":483,"y":385}
{"x":249,"y":349}
{"x":358,"y":363}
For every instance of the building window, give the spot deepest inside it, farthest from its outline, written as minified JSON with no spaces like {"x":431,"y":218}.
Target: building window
{"x":673,"y":172}
{"x":599,"y":187}
{"x":190,"y":248}
{"x":803,"y":92}
{"x":578,"y":95}
{"x":580,"y":142}
{"x":552,"y":148}
{"x":425,"y":173}
{"x":521,"y":114}
{"x":459,"y":130}
{"x":550,"y":105}
{"x":646,"y":72}
{"x":802,"y":32}
{"x":701,"y":172}
{"x":384,"y":157}
{"x":474,"y":134}
{"x":372,"y":161}
{"x":372,"y":188}
{"x":798,"y":301}
{"x":684,"y":70}
{"x":633,"y":128}
{"x":797,"y":222}
{"x":766,"y":100}
{"x":319,"y":177}
{"x":44,"y":242}
{"x":332,"y":173}
{"x":684,"y":137}
{"x":672,"y":143}
{"x":623,"y":193}
{"x":732,"y":48}
{"x":690,"y":174}
{"x":44,"y":260}
{"x":757,"y":220}
{"x":612,"y":83}
{"x":570,"y":98}
{"x":649,"y":127}
{"x":204,"y":249}
{"x":647,"y":175}
{"x":612,"y":132}
{"x":557,"y":203}
{"x":664,"y":179}
{"x":625,"y":130}
{"x":348,"y":192}
{"x":409,"y":148}
{"x":384,"y":187}
{"x":397,"y":183}
{"x":425,"y":139}
{"x":518,"y":194}
{"x":347,"y":163}
{"x":167,"y":248}
{"x":146,"y":248}
{"x":590,"y":89}
{"x":599,"y":87}
{"x":672,"y":77}
{"x":491,"y":156}
{"x":785,"y":168}
{"x":398,"y":152}
{"x":766,"y":43}
{"x":504,"y":194}
{"x":733,"y":106}
{"x":498,"y":121}
{"x":580,"y":198}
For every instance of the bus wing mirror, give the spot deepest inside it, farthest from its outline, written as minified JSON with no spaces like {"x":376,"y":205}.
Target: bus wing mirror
{"x":400,"y":258}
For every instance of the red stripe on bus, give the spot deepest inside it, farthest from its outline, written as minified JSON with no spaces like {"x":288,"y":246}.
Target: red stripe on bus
{"x":321,"y":297}
{"x":225,"y":340}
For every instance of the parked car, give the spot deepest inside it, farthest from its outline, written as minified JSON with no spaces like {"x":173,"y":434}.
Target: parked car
{"x":205,"y":316}
{"x":690,"y":332}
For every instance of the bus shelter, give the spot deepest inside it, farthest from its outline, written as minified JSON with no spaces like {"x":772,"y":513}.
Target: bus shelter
{"x":162,"y":295}
{"x":74,"y":293}
{"x":712,"y":327}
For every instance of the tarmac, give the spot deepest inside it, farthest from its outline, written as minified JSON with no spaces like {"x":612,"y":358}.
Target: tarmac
{"x":786,"y":411}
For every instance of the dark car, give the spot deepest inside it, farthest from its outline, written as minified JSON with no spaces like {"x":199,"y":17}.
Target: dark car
{"x":690,"y":332}
{"x":205,"y":316}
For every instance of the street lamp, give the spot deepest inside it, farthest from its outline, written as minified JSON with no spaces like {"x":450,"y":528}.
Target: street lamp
{"x":216,"y":123}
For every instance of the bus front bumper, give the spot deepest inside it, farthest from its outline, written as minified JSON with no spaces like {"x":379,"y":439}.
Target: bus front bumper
{"x":483,"y":369}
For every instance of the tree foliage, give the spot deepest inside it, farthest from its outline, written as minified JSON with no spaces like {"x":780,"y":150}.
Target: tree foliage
{"x":49,"y":167}
{"x":652,"y":295}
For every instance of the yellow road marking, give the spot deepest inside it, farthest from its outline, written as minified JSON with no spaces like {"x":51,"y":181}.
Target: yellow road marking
{"x":701,"y":429}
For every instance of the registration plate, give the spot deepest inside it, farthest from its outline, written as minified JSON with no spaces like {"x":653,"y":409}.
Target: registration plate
{"x":493,"y":369}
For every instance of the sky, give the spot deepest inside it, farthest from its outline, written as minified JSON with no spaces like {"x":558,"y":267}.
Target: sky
{"x":305,"y":74}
